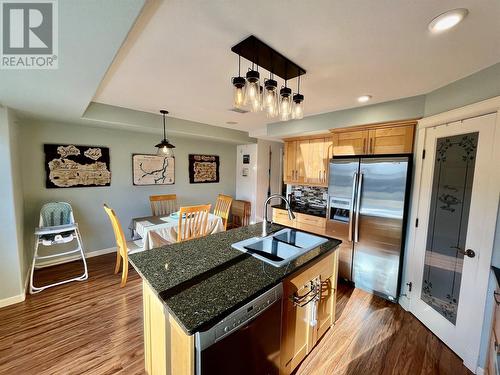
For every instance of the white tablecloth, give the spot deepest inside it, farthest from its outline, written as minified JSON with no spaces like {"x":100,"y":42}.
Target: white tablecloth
{"x":166,"y":227}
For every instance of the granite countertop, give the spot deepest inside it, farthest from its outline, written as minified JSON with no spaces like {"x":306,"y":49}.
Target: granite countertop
{"x":201,"y":281}
{"x":303,"y":209}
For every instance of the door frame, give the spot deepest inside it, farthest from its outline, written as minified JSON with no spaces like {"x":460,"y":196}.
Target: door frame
{"x":412,"y":261}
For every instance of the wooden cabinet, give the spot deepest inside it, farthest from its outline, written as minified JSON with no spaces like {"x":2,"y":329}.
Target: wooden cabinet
{"x":281,"y":217}
{"x":306,"y":160}
{"x":308,"y":310}
{"x":308,"y":223}
{"x":350,"y":142}
{"x":389,"y":138}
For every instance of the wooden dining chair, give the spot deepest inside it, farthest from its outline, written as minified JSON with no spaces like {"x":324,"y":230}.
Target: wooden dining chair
{"x":162,"y":205}
{"x":223,"y":207}
{"x":240,"y":213}
{"x":193,"y":222}
{"x":123,"y":248}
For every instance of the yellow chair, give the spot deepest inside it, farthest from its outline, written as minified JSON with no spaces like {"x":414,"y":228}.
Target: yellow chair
{"x":162,"y":205}
{"x":123,"y":247}
{"x":193,"y":222}
{"x":240,"y":213}
{"x":223,"y":207}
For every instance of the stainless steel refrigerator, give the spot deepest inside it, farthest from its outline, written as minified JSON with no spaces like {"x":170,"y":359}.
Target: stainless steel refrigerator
{"x":367,"y":209}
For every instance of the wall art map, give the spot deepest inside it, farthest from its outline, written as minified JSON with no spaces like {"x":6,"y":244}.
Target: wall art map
{"x":76,"y":166}
{"x":153,"y":170}
{"x":203,"y":169}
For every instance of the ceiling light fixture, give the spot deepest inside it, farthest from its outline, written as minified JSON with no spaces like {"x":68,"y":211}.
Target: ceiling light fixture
{"x":165,"y":148}
{"x":266,"y":97}
{"x":253,"y":89}
{"x":447,"y":20}
{"x":364,"y":98}
{"x":239,"y":86}
{"x":298,"y":103}
{"x":285,"y":103}
{"x":270,"y":97}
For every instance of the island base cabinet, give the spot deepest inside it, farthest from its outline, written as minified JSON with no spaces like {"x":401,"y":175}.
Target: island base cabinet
{"x":167,"y":349}
{"x":308,"y":310}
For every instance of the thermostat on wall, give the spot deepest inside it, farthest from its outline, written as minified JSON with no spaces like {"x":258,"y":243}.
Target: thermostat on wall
{"x":246,"y":159}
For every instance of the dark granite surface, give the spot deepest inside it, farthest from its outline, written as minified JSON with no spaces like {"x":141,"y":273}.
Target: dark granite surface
{"x":496,"y":271}
{"x":203,"y":280}
{"x":304,"y":209}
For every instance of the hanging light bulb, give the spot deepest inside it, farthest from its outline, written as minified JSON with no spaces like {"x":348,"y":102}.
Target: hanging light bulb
{"x":270,"y":94}
{"x":285,"y":103}
{"x":256,"y":103}
{"x":298,"y":103}
{"x":253,"y":88}
{"x":239,"y":86}
{"x":165,"y":148}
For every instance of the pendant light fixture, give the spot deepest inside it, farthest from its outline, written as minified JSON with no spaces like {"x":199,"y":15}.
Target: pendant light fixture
{"x":165,"y":148}
{"x":253,"y":89}
{"x":239,"y":87}
{"x":285,"y":103}
{"x":270,"y":97}
{"x":255,"y":95}
{"x":298,"y":103}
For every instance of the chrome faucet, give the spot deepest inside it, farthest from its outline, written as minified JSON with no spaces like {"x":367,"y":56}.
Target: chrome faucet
{"x":291,"y":216}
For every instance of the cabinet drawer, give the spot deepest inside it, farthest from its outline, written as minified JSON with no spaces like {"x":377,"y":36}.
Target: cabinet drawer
{"x":324,"y":269}
{"x":311,"y":220}
{"x":281,"y":217}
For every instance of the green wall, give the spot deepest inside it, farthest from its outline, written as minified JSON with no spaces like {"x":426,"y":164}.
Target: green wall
{"x":12,"y":271}
{"x":471,"y":89}
{"x":127,"y":200}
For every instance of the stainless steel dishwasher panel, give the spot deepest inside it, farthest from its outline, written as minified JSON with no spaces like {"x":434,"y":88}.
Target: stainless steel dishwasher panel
{"x":246,"y":342}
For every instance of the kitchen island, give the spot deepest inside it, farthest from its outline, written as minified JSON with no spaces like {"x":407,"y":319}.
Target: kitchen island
{"x":189,"y":287}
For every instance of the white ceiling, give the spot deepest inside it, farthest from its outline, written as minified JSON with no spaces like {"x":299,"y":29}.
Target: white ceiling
{"x":90,"y":34}
{"x":180,"y":59}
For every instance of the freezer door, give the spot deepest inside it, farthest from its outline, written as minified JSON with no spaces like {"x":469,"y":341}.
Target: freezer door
{"x":340,"y":223}
{"x":379,"y":227}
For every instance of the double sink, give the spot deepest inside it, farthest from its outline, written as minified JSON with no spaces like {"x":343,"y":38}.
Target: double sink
{"x":280,"y":247}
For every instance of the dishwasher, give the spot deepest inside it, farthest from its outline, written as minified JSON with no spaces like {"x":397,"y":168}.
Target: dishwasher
{"x":248,"y":341}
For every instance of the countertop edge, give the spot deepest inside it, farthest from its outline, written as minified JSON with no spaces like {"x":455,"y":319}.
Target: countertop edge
{"x":219,"y":317}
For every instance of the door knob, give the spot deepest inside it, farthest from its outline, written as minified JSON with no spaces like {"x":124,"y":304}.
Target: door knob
{"x":469,"y":252}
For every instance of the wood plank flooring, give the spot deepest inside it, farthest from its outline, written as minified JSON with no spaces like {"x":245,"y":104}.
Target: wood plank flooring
{"x":94,"y":327}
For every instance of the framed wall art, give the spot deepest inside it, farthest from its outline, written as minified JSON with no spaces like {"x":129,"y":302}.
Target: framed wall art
{"x":153,"y":169}
{"x":69,"y":166}
{"x":203,"y":169}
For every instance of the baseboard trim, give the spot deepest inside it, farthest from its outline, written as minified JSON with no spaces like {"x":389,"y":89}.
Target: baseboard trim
{"x":404,"y":302}
{"x":72,"y":258}
{"x":12,"y":300}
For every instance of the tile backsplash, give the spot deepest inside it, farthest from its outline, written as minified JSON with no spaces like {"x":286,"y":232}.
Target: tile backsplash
{"x":313,"y":195}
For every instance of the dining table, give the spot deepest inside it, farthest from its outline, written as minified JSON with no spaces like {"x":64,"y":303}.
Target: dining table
{"x":166,"y":227}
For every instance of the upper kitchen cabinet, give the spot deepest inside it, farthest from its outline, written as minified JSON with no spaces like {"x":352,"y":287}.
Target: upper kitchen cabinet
{"x":380,"y":139}
{"x":306,"y":160}
{"x":352,"y":142}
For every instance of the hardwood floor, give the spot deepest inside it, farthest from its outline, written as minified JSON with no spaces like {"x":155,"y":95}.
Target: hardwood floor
{"x":94,"y":327}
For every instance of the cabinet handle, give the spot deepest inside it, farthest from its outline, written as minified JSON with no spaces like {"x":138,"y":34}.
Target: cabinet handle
{"x":364,"y":145}
{"x":370,"y":146}
{"x":324,"y":175}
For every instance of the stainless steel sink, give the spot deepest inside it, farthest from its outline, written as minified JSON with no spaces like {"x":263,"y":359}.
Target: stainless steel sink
{"x":281,"y":247}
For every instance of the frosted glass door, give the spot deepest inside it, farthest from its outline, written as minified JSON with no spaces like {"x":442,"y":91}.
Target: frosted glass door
{"x":448,"y":221}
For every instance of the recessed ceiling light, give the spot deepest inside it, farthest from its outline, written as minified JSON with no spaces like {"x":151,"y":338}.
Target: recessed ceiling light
{"x":231,"y":122}
{"x":364,"y":98}
{"x":447,"y":20}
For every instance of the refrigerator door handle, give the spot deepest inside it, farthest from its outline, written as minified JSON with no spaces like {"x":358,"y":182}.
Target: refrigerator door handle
{"x":351,"y":211}
{"x":358,"y":204}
